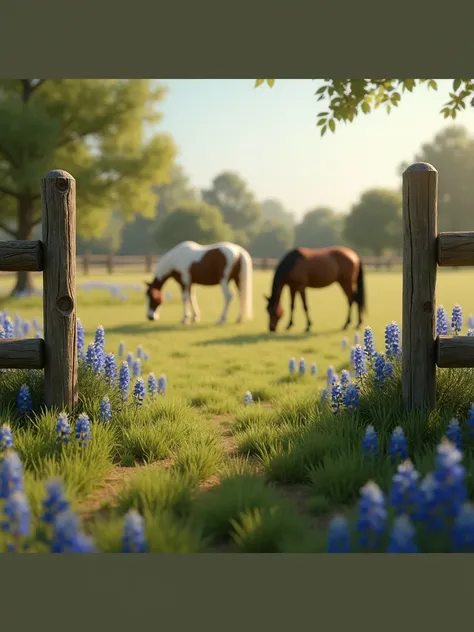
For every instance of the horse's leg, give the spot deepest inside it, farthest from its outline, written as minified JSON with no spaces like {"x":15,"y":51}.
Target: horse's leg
{"x":347,"y":289}
{"x":194,"y":305}
{"x":185,"y":295}
{"x":239,"y":315}
{"x":292,"y":307}
{"x":305,"y":306}
{"x":227,"y":299}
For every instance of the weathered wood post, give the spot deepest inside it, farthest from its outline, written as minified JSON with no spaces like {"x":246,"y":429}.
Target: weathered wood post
{"x":110,"y":263}
{"x":58,"y":201}
{"x":420,"y":214}
{"x":148,"y":263}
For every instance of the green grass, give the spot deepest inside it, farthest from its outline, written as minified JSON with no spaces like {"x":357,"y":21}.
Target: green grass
{"x":208,"y":473}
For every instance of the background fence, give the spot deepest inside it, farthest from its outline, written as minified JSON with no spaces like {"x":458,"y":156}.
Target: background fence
{"x":55,"y":256}
{"x":423,"y":251}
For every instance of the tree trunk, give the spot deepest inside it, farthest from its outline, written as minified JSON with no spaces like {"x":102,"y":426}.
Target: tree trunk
{"x":24,"y":279}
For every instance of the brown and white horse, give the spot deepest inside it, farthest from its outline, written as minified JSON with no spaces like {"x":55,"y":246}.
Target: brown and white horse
{"x":316,"y":268}
{"x":192,"y":264}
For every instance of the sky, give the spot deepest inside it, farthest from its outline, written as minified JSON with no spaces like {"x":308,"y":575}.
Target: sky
{"x":269,"y":136}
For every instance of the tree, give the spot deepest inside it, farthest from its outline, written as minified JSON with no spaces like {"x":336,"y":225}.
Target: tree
{"x":452,"y":153}
{"x":92,"y":128}
{"x":238,"y":205}
{"x":273,"y":240}
{"x":109,"y":244}
{"x":319,"y":228}
{"x":274,"y":211}
{"x":139,"y":235}
{"x":375,"y":222}
{"x":346,"y":98}
{"x":195,"y":221}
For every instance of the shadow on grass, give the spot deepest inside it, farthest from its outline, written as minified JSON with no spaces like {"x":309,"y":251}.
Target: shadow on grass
{"x":146,"y":327}
{"x":246,"y":339}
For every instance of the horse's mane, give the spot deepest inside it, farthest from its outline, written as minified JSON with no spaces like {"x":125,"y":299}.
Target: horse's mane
{"x":161,"y":266}
{"x":282,"y":269}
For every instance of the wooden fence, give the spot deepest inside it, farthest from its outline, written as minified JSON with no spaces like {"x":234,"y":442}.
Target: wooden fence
{"x":423,"y":251}
{"x":114,"y":263}
{"x":55,"y":256}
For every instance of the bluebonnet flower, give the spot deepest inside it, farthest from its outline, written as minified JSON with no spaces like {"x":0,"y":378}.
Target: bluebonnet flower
{"x":454,"y":433}
{"x":369,"y":343}
{"x":146,"y":357}
{"x":314,"y":369}
{"x":324,"y":396}
{"x":162,"y":385}
{"x":456,"y":319}
{"x":67,"y":537}
{"x":140,"y":352}
{"x":470,"y":332}
{"x":121,"y":349}
{"x":11,"y":474}
{"x":379,"y":369}
{"x":110,"y":369}
{"x":330,"y":377}
{"x":18,"y":516}
{"x":372,"y":515}
{"x":463,"y":529}
{"x":91,"y":361}
{"x":8,"y":328}
{"x":339,"y":535}
{"x":80,"y":339}
{"x":134,"y":539}
{"x":152,"y":384}
{"x":402,"y":536}
{"x":337,"y":397}
{"x":356,"y":339}
{"x":139,"y":392}
{"x":442,"y":322}
{"x":99,"y":344}
{"x":405,"y":494}
{"x":63,"y":429}
{"x":37,"y":324}
{"x":470,"y":422}
{"x":2,"y":333}
{"x":351,"y":396}
{"x":26,"y":328}
{"x":83,"y":429}
{"x":292,"y":365}
{"x":345,"y":343}
{"x":6,"y":437}
{"x":370,"y":442}
{"x":130,"y":360}
{"x":302,"y":367}
{"x":55,"y":501}
{"x":470,"y":321}
{"x":23,"y":400}
{"x":398,"y":448}
{"x":388,"y":369}
{"x":392,"y":340}
{"x":345,"y":378}
{"x":105,"y":410}
{"x":360,"y":367}
{"x":124,"y":380}
{"x":137,"y":368}
{"x":351,"y":360}
{"x":248,"y":398}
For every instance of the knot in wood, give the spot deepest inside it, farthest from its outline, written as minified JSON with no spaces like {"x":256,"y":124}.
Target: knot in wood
{"x":62,"y":184}
{"x":427,"y":308}
{"x":65,"y":305}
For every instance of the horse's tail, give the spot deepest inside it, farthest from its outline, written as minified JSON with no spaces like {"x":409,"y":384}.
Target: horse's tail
{"x":360,"y":294}
{"x":246,"y":284}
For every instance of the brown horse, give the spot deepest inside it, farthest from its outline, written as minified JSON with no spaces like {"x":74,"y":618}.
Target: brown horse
{"x":304,"y":267}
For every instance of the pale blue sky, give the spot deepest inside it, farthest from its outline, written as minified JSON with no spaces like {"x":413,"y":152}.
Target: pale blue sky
{"x":269,"y":136}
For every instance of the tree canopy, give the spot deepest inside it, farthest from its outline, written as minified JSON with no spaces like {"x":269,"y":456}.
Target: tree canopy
{"x":95,"y":129}
{"x":342,"y":100}
{"x":273,"y":239}
{"x":274,"y":211}
{"x":319,"y":228}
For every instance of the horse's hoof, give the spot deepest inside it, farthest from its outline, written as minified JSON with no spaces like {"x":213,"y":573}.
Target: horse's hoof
{"x":196,"y":320}
{"x":185,"y":321}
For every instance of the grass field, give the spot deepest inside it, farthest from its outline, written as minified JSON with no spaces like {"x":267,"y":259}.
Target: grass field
{"x":206,"y":472}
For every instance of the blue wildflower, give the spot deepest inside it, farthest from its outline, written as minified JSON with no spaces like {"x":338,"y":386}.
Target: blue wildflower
{"x":26,"y":328}
{"x":162,"y":385}
{"x":134,"y":539}
{"x":23,"y":400}
{"x":91,"y":361}
{"x":121,"y":349}
{"x":470,"y":321}
{"x":345,"y":378}
{"x":140,"y":354}
{"x":124,"y":380}
{"x":470,"y":332}
{"x":404,"y":492}
{"x":351,"y":397}
{"x":470,"y":422}
{"x":372,"y":515}
{"x":388,"y":369}
{"x":463,"y":529}
{"x":18,"y":516}
{"x":292,"y":365}
{"x":55,"y":501}
{"x":324,"y":396}
{"x":337,"y":398}
{"x":105,"y":410}
{"x":2,"y":333}
{"x":67,"y":537}
{"x":80,"y":339}
{"x":369,"y":343}
{"x":331,"y":377}
{"x":370,"y":442}
{"x":360,"y":367}
{"x":302,"y":366}
{"x":99,"y":344}
{"x":442,"y":322}
{"x":137,"y":368}
{"x":11,"y":474}
{"x":339,"y":535}
{"x":402,"y":536}
{"x":9,"y":328}
{"x":398,"y":448}
{"x":139,"y":392}
{"x":356,"y":339}
{"x":110,"y":369}
{"x":392,"y":340}
{"x":6,"y":437}
{"x":248,"y":398}
{"x":314,"y":369}
{"x":146,"y":357}
{"x":63,"y":429}
{"x":130,"y":360}
{"x":345,"y":343}
{"x":83,"y":429}
{"x":379,"y":369}
{"x":454,"y":433}
{"x":152,"y":384}
{"x":456,"y":319}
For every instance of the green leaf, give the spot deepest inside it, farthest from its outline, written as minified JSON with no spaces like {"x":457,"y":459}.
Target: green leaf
{"x":456,"y":84}
{"x":321,"y":90}
{"x":321,"y":122}
{"x":409,"y":84}
{"x":332,"y":125}
{"x":323,"y":130}
{"x":432,"y":84}
{"x":389,"y":108}
{"x":258,"y":82}
{"x":271,"y":82}
{"x":322,"y":114}
{"x":365,"y":108}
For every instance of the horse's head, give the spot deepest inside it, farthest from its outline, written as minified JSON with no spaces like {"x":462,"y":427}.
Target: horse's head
{"x":275,"y":312}
{"x":154,"y":299}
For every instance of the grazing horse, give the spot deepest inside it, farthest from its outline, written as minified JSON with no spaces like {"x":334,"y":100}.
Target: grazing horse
{"x":217,"y":264}
{"x":304,"y":267}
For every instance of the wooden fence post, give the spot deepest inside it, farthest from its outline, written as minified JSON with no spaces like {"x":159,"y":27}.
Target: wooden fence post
{"x":148,"y":263}
{"x":58,"y":201}
{"x":110,"y":263}
{"x":420,"y":214}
